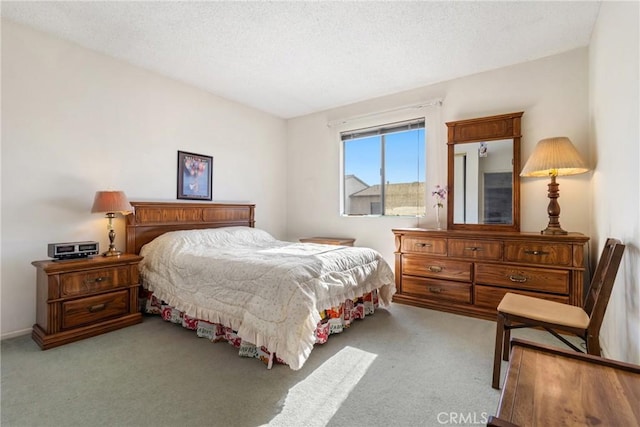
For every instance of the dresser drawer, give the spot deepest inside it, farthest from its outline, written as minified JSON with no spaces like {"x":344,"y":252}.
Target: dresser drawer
{"x":92,"y":281}
{"x":490,"y":296}
{"x":424,"y":245}
{"x":440,"y":268}
{"x":475,"y":249}
{"x":440,"y":290}
{"x":539,"y":279}
{"x":93,"y":309}
{"x":538,"y":253}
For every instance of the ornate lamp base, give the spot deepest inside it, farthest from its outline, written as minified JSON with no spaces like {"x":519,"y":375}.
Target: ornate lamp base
{"x":112,"y":237}
{"x":112,"y":252}
{"x":553,"y":228}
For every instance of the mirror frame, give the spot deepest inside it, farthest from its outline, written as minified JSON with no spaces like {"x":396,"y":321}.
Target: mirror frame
{"x":491,"y":128}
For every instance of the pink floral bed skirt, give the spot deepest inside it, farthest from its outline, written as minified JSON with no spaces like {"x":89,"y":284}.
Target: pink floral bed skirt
{"x":333,"y":321}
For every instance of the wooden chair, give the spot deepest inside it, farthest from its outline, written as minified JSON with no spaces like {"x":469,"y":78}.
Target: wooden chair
{"x":518,"y":311}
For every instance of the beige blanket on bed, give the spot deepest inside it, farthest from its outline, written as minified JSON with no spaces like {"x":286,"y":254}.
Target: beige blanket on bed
{"x":267,"y":290}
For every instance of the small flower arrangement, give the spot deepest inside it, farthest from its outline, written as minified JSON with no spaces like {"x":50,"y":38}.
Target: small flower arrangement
{"x":440,"y":193}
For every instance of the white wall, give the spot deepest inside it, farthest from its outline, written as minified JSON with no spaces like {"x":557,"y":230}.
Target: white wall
{"x":614,"y":65}
{"x":75,"y":121}
{"x":552,"y":92}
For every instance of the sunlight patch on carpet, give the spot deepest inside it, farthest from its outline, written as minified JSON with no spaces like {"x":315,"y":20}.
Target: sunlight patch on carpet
{"x":313,"y":401}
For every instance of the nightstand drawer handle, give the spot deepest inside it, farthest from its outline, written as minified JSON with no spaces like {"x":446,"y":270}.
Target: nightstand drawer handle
{"x":97,"y":307}
{"x":519,"y":278}
{"x":473,"y":249}
{"x":435,"y":290}
{"x":536,"y":253}
{"x":435,"y":268}
{"x":96,"y":280}
{"x":424,"y":245}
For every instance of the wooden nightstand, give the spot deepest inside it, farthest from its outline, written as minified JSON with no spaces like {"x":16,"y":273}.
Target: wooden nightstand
{"x":342,"y":241}
{"x":77,"y":299}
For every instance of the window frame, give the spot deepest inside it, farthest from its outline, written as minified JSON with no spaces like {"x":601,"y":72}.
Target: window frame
{"x":388,"y":127}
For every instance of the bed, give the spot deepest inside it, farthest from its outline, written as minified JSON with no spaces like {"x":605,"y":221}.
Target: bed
{"x":209,"y":269}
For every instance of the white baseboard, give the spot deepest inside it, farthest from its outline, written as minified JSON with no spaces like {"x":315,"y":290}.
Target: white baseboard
{"x":15,"y":334}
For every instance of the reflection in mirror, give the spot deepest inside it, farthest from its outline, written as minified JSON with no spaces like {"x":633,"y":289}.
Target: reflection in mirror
{"x":483,"y":177}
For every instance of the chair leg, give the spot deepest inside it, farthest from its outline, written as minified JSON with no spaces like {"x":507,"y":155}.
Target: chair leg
{"x":497,"y":356}
{"x":506,"y":341}
{"x":593,"y":345}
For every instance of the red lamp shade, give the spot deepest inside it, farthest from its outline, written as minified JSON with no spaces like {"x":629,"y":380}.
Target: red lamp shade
{"x":111,"y":201}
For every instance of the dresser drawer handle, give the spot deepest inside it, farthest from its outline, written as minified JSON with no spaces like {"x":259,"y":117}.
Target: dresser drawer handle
{"x":473,"y":249}
{"x":435,"y":268}
{"x":536,"y":253}
{"x":424,"y":245}
{"x":519,"y":278}
{"x":96,"y":280}
{"x":97,"y":307}
{"x":435,"y":290}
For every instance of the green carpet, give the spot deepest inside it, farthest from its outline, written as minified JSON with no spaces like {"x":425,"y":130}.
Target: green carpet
{"x":404,"y":366}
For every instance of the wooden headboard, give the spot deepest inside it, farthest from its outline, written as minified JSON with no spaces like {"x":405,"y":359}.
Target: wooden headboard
{"x":152,"y":219}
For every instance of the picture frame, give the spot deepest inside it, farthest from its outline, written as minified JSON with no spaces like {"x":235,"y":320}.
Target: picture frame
{"x":195,"y":172}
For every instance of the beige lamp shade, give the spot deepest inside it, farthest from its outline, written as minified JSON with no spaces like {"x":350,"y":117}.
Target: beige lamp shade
{"x":554,"y":157}
{"x":111,"y":201}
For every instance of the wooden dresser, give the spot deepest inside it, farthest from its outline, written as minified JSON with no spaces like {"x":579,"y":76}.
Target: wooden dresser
{"x":81,"y":298}
{"x":468,"y":272}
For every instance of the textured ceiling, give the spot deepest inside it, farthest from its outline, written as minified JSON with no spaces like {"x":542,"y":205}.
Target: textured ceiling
{"x":295,"y":58}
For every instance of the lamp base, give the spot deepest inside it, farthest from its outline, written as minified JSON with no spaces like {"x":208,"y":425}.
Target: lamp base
{"x":553,"y":227}
{"x":553,"y":231}
{"x":112,"y":252}
{"x":112,"y":237}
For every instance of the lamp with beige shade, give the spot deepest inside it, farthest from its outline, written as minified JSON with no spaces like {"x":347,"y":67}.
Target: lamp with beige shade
{"x":554,"y":157}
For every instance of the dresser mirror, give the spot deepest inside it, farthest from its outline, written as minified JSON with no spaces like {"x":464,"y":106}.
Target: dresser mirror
{"x":483,"y":175}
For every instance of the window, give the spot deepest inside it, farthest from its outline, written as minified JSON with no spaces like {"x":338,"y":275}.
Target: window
{"x":384,"y":169}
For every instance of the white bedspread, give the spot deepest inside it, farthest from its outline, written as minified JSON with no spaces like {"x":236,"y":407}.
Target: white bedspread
{"x":269,"y":291}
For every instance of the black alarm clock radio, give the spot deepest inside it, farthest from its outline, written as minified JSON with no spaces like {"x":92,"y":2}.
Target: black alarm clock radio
{"x":72,"y":250}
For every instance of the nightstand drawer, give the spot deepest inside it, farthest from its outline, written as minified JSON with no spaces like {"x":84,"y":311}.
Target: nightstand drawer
{"x":440,"y":268}
{"x":538,"y":253}
{"x":87,"y":282}
{"x":440,"y":290}
{"x":92,"y":309}
{"x":538,"y":279}
{"x":476,"y":249}
{"x":423,"y":245}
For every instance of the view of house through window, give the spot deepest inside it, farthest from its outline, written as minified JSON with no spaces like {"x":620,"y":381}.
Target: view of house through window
{"x":384,"y":169}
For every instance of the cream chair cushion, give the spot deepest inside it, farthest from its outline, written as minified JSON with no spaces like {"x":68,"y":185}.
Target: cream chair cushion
{"x":544,"y":311}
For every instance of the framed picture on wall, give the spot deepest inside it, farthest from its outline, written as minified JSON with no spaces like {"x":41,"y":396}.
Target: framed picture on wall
{"x":195,"y":172}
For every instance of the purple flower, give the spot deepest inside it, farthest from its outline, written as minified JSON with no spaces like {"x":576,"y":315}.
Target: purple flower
{"x":440,"y":193}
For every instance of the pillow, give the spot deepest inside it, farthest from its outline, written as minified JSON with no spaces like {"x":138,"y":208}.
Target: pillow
{"x":224,"y":237}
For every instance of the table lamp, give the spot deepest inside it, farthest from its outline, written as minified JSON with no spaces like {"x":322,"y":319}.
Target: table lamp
{"x":111,"y":202}
{"x":554,"y":157}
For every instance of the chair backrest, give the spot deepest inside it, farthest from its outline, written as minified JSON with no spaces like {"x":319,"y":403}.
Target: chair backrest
{"x":602,"y":283}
